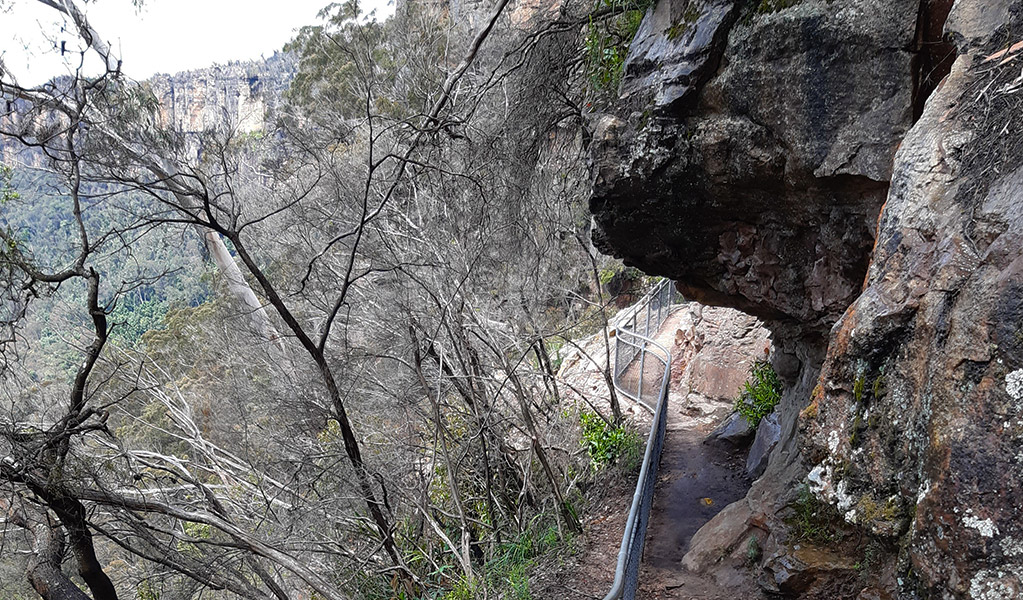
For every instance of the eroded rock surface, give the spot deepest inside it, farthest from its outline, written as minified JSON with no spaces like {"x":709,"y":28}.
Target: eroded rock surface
{"x":919,"y":428}
{"x":714,"y":349}
{"x":754,"y":149}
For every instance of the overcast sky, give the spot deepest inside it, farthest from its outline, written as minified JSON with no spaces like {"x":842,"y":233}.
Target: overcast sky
{"x":165,"y":36}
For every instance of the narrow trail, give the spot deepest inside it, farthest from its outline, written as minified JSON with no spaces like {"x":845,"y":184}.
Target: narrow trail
{"x":695,"y":481}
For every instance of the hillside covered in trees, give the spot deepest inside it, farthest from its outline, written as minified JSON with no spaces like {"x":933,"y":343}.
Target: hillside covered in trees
{"x":291,"y":329}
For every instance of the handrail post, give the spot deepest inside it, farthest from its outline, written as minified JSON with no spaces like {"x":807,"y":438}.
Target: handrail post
{"x":642,"y":362}
{"x":646,"y":331}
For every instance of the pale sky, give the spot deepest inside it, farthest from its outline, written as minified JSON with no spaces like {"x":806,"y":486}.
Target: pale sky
{"x":165,"y":36}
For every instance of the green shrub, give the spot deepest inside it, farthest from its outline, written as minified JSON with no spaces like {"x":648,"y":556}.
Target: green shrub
{"x":760,"y":393}
{"x":607,"y":444}
{"x":753,"y":551}
{"x":464,"y":589}
{"x":607,"y":40}
{"x":7,"y":193}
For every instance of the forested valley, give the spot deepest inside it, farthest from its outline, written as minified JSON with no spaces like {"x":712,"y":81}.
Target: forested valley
{"x":313,"y":357}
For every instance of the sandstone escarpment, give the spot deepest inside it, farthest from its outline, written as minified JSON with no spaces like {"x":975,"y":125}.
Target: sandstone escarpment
{"x":753,"y":151}
{"x":239,"y":95}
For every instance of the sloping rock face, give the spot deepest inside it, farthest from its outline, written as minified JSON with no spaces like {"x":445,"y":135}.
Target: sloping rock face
{"x":921,"y":404}
{"x":754,"y":148}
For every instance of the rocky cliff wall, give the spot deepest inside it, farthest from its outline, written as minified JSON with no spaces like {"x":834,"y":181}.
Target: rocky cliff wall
{"x":242,"y":96}
{"x":792,"y":158}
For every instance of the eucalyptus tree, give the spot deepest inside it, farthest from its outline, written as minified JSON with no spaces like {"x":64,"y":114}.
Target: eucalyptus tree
{"x":104,"y":129}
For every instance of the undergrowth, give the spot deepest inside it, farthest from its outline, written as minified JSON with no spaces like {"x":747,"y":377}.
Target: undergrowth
{"x":607,"y":444}
{"x":606,"y":43}
{"x":760,"y":393}
{"x":507,"y":573}
{"x":813,"y":520}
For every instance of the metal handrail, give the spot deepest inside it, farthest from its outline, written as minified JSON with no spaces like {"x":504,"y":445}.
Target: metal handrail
{"x":629,"y":555}
{"x":642,"y":319}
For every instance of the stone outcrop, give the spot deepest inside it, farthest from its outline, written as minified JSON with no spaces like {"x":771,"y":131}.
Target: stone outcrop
{"x":798,"y":160}
{"x":714,"y":348}
{"x":753,"y":172}
{"x":918,"y":431}
{"x":240,"y":95}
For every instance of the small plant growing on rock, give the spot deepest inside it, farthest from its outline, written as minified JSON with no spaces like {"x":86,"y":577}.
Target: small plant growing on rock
{"x":760,"y":393}
{"x":813,"y":520}
{"x":753,"y":551}
{"x":765,"y":7}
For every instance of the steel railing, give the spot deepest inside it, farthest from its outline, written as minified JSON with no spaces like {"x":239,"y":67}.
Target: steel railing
{"x":640,"y":322}
{"x":647,"y":317}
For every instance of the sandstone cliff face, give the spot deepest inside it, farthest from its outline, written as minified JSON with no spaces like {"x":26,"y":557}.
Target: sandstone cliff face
{"x":751,"y":157}
{"x":921,"y":404}
{"x":240,"y":95}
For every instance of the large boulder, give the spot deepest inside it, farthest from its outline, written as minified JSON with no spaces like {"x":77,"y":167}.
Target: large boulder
{"x":754,"y":147}
{"x":767,"y":437}
{"x":735,"y":430}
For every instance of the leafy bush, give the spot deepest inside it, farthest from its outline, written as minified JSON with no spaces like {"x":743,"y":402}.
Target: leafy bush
{"x":607,"y":40}
{"x":760,"y":393}
{"x":607,"y":444}
{"x":7,"y":193}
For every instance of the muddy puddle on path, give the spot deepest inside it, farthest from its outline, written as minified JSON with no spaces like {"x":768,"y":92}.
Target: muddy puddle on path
{"x":695,"y":482}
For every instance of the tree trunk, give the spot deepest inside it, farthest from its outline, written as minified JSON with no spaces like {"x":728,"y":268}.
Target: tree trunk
{"x":240,"y":289}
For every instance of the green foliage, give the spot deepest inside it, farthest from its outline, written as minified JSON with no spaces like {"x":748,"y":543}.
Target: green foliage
{"x":753,"y":551}
{"x":146,"y":591}
{"x":509,"y":570}
{"x":607,"y":274}
{"x":464,"y":589}
{"x":858,"y":386}
{"x":771,"y":6}
{"x":554,"y":347}
{"x":873,"y":557}
{"x":760,"y":393}
{"x":133,"y":318}
{"x":353,"y":64}
{"x":144,"y":275}
{"x":7,"y":193}
{"x":607,"y":444}
{"x":606,"y":43}
{"x":814,"y":521}
{"x":505,"y":574}
{"x":199,"y":531}
{"x":689,"y":16}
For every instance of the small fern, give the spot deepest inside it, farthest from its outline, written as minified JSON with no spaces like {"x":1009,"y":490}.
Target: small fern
{"x":760,"y":393}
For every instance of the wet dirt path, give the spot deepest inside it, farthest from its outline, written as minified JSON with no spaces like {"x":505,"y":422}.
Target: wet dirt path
{"x":690,"y":472}
{"x":695,"y":481}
